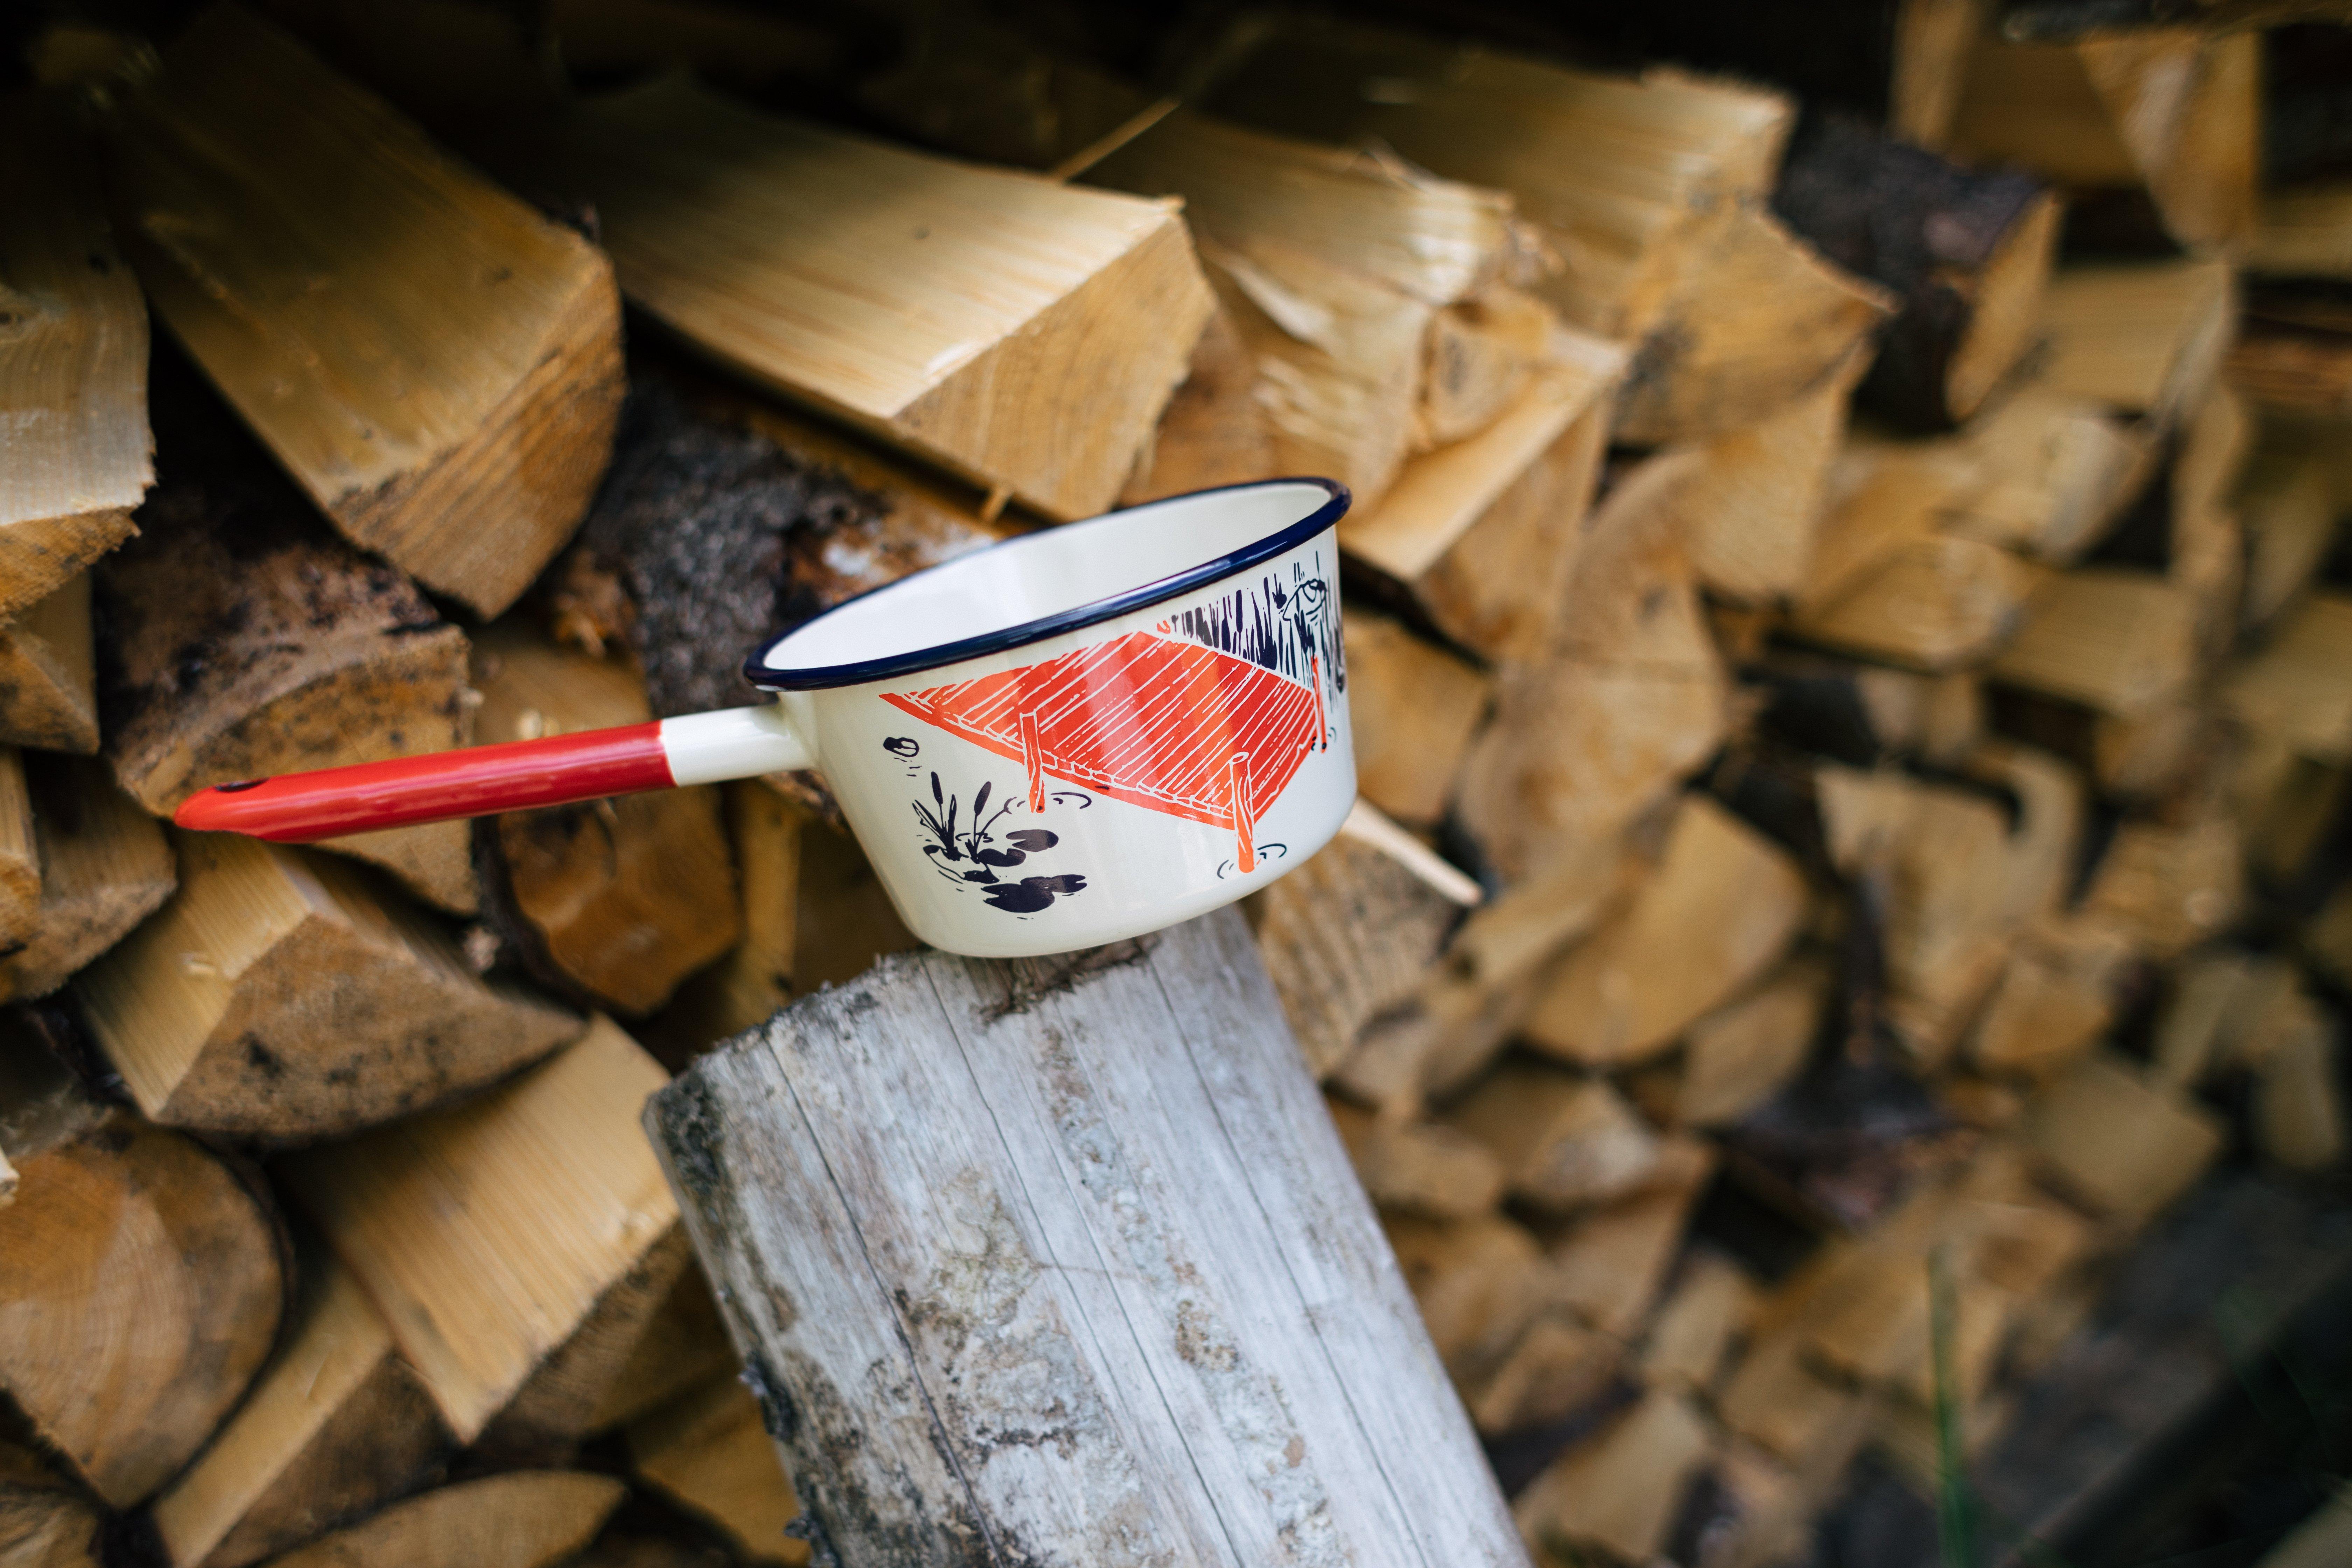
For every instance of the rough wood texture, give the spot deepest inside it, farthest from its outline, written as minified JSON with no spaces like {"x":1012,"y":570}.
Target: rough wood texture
{"x":73,"y":360}
{"x":1629,"y":695}
{"x":619,"y":899}
{"x":1750,"y":514}
{"x":708,"y":1450}
{"x":1351,"y":281}
{"x":1966,"y":254}
{"x":2114,"y":639}
{"x":1418,"y":1167}
{"x":528,"y":1519}
{"x":1201,"y":1184}
{"x":967,"y":313}
{"x":241,"y":639}
{"x":1618,"y":1490}
{"x":335,"y":1427}
{"x":1619,"y":172}
{"x":979,"y":92}
{"x":2056,"y":473}
{"x":518,"y":1244}
{"x":1343,"y":937}
{"x":2119,"y":1143}
{"x":1412,"y":708}
{"x":44,"y":1522}
{"x":437,"y":365}
{"x":2298,"y":687}
{"x":105,"y":867}
{"x":1758,"y":320}
{"x":2145,"y":337}
{"x":280,"y":996}
{"x":1481,"y":536}
{"x":1718,"y":911}
{"x":141,"y":1283}
{"x":1561,"y":1139}
{"x":48,"y":681}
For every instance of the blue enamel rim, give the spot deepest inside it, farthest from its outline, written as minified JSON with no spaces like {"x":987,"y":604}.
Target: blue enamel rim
{"x":820,"y":678}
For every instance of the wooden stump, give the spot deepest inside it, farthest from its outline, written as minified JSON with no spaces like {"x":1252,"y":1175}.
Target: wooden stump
{"x":1060,"y":1261}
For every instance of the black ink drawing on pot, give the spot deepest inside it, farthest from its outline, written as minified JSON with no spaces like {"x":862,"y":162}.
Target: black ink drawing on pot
{"x":973,"y":853}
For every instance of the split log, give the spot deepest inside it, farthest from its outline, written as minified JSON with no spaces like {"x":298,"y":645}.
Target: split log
{"x":1423,"y":1168}
{"x":2116,"y":640}
{"x":684,"y":1346}
{"x":1966,"y":253}
{"x":1739,"y":1055}
{"x":223,"y":161}
{"x":1480,"y":538}
{"x":2166,"y":888}
{"x":617,"y":900}
{"x":278,"y":995}
{"x":73,"y":364}
{"x":1344,"y":936}
{"x":1933,"y":603}
{"x":708,"y":1451}
{"x":2298,"y":687}
{"x":243,"y":641}
{"x":872,"y":319}
{"x":44,"y":1522}
{"x":1561,"y":1139}
{"x":1712,"y":1304}
{"x":1628,"y":698}
{"x":1777,"y":1402}
{"x":2054,"y":999}
{"x":1620,"y":1490}
{"x":1749,"y":516}
{"x":1884,"y":495}
{"x":1213,"y":432}
{"x":1722,"y":906}
{"x":1609,"y":1263}
{"x":1216,"y":1230}
{"x":20,"y":855}
{"x":527,"y":1519}
{"x":2299,"y":1112}
{"x":2286,"y":502}
{"x":517,"y":1245}
{"x":2167,"y":117}
{"x":1349,"y":281}
{"x":1558,"y":1367}
{"x":105,"y":867}
{"x":1414,"y":708}
{"x":2058,"y":470}
{"x":335,"y":1427}
{"x":1756,"y":319}
{"x":2207,"y":994}
{"x":141,"y":1282}
{"x":2118,"y":1144}
{"x":1477,"y":1284}
{"x":1617,"y":172}
{"x":2146,"y":338}
{"x":2304,"y":231}
{"x":48,"y":681}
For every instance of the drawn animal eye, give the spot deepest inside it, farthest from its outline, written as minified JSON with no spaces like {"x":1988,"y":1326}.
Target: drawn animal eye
{"x":903,"y":746}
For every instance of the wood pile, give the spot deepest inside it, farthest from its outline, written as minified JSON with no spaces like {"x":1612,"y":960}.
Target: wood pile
{"x":1851,"y":661}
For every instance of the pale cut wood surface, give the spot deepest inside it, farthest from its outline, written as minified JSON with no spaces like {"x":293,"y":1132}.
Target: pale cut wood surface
{"x":281,"y":995}
{"x":1061,"y":1261}
{"x":2118,"y":640}
{"x":1414,"y":708}
{"x":489,"y":1234}
{"x":105,"y":867}
{"x":1021,"y":333}
{"x":139,"y":1288}
{"x":528,"y":1519}
{"x":707,"y":1450}
{"x":48,"y":684}
{"x":73,"y":359}
{"x":2298,"y":687}
{"x":1750,"y":514}
{"x":1482,"y":534}
{"x":1617,"y":171}
{"x":2146,"y":337}
{"x":437,"y":364}
{"x":334,"y":1426}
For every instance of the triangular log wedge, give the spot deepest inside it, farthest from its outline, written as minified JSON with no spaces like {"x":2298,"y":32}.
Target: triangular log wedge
{"x":518,"y":1244}
{"x":48,"y":683}
{"x":335,"y":1427}
{"x":844,"y":273}
{"x":73,"y":360}
{"x":437,"y":365}
{"x":281,"y":995}
{"x":2142,"y":337}
{"x":141,"y":1282}
{"x":709,"y":1451}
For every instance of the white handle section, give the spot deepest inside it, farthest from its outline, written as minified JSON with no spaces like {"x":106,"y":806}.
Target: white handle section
{"x":733,"y":743}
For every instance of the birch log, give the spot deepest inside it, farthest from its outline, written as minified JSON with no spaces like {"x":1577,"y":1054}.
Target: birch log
{"x":1061,"y":1262}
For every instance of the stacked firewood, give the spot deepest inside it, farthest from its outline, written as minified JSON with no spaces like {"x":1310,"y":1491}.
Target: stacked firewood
{"x":1851,"y":690}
